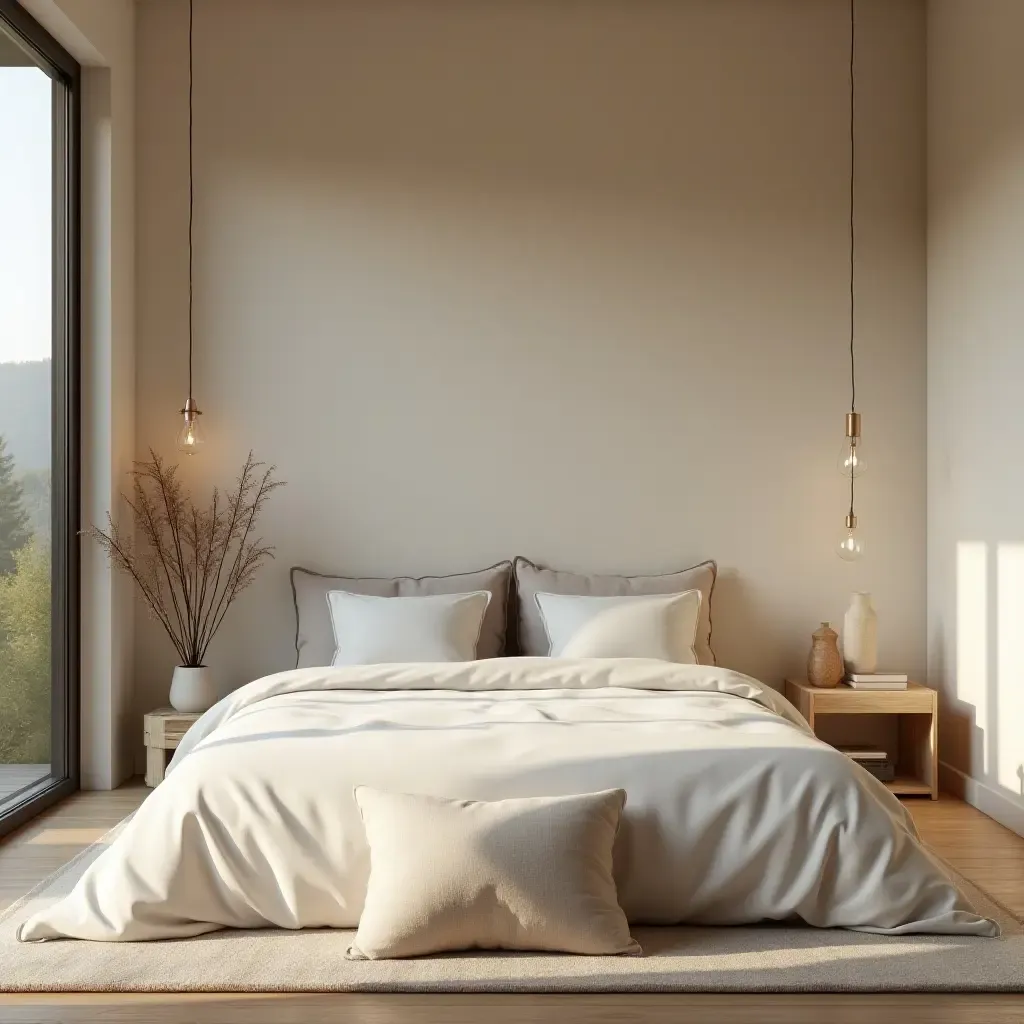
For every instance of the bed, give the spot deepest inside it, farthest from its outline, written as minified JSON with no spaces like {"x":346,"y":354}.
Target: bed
{"x":736,"y":813}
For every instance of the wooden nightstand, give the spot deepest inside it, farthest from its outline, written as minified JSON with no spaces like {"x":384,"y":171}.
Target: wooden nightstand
{"x":164,"y":729}
{"x":917,"y":761}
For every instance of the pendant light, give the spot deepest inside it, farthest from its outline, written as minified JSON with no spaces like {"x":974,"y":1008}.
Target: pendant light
{"x":851,"y":455}
{"x":190,"y":436}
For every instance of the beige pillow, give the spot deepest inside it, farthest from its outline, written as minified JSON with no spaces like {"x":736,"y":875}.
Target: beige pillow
{"x":532,"y":873}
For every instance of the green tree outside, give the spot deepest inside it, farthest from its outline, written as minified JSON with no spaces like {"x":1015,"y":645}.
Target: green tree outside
{"x":15,"y":528}
{"x":25,"y":658}
{"x":35,"y":499}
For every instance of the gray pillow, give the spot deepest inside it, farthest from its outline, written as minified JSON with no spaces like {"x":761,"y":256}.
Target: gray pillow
{"x":532,"y":579}
{"x":314,"y":635}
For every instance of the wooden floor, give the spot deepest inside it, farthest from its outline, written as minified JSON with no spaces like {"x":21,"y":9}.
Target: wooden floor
{"x":51,"y":840}
{"x":990,"y":855}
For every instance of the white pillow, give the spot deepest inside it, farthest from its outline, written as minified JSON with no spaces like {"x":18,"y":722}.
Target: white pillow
{"x":658,"y":626}
{"x":372,"y":630}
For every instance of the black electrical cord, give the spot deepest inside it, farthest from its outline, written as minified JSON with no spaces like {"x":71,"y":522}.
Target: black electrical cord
{"x":190,"y":202}
{"x":853,"y":154}
{"x":853,"y":151}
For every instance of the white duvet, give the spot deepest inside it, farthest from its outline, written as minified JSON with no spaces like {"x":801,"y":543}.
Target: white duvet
{"x":735,"y":812}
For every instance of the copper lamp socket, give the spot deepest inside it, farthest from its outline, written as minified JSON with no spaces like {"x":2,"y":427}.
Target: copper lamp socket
{"x":853,"y":424}
{"x":191,"y":409}
{"x":851,"y":522}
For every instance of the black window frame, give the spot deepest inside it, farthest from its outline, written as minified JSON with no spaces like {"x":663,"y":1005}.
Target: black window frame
{"x":65,"y":465}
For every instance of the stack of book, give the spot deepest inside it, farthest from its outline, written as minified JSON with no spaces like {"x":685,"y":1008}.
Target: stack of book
{"x":877,"y":762}
{"x":877,"y":680}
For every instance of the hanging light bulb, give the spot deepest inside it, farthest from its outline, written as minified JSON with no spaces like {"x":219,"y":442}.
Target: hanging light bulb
{"x":850,"y":547}
{"x":190,"y":437}
{"x":851,"y":455}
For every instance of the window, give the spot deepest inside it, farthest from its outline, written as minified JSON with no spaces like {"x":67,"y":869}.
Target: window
{"x":39,"y":429}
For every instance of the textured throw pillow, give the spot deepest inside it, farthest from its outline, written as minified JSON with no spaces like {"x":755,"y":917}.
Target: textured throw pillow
{"x":314,"y":637}
{"x":522,"y":874}
{"x":374,"y":630}
{"x":532,"y":579}
{"x":622,"y":627}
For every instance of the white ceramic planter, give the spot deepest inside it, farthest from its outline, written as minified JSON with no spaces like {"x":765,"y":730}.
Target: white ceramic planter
{"x":192,"y":689}
{"x":860,"y":635}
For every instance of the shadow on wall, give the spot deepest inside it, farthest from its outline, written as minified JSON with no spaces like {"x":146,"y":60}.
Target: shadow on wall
{"x":738,"y":616}
{"x":986,"y":718}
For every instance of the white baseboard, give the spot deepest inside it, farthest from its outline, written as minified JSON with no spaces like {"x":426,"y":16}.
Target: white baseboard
{"x":996,"y":805}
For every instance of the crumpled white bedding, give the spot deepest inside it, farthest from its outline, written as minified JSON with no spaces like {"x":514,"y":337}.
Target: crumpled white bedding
{"x":735,"y":812}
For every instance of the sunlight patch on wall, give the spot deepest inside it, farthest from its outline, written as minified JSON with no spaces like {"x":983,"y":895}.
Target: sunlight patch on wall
{"x":972,"y":638}
{"x":1010,"y":666}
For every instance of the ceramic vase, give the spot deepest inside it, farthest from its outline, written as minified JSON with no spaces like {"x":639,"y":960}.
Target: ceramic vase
{"x":860,"y":635}
{"x":824,"y":664}
{"x":192,"y":689}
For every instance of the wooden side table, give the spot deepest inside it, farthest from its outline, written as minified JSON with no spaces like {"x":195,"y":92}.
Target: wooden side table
{"x":917,"y":761}
{"x":163,"y":730}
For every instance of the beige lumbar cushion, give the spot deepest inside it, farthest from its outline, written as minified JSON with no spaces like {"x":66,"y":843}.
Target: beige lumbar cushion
{"x":532,"y":874}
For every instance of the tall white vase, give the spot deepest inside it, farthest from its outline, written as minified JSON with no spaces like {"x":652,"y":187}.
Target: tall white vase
{"x":192,"y":689}
{"x":860,"y":635}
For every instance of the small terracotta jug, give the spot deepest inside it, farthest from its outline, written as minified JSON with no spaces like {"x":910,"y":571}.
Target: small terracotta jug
{"x":824,"y":665}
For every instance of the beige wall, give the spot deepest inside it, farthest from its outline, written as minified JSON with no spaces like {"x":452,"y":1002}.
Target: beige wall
{"x":565,"y":280}
{"x":976,"y":413}
{"x":100,"y":34}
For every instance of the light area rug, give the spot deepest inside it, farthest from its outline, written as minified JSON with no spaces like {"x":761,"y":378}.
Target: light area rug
{"x":769,"y":958}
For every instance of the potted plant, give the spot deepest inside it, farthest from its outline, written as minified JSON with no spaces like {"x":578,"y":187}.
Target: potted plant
{"x":192,"y":562}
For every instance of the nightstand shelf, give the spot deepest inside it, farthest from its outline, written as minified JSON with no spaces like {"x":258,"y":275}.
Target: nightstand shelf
{"x":163,"y":731}
{"x":917,"y":708}
{"x":904,"y":785}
